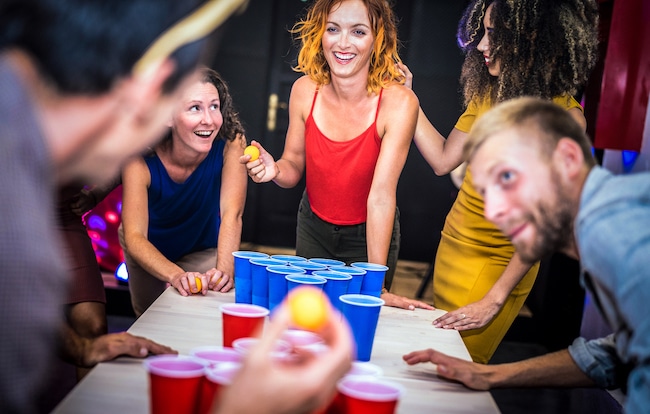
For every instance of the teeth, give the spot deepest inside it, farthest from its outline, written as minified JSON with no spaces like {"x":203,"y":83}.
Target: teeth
{"x":203,"y":133}
{"x":346,"y":56}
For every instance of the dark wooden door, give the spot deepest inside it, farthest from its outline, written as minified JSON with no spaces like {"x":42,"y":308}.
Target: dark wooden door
{"x":276,"y":209}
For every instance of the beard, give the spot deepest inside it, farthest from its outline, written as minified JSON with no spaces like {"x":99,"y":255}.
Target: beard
{"x":554,"y":225}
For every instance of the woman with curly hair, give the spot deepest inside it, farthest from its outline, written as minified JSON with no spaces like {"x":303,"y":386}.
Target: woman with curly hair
{"x":512,"y":48}
{"x":351,"y":122}
{"x":183,"y":203}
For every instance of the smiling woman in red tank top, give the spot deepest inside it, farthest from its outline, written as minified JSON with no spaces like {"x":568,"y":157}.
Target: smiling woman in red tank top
{"x":351,"y":122}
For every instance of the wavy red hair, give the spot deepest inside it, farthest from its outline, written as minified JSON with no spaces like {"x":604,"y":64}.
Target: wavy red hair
{"x":311,"y":61}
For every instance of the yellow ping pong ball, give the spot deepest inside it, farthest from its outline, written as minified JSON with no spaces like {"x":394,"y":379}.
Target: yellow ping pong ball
{"x":308,"y":308}
{"x":199,"y":285}
{"x":253,"y":151}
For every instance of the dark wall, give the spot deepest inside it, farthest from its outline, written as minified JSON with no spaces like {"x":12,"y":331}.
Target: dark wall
{"x":431,"y":53}
{"x":428,"y":34}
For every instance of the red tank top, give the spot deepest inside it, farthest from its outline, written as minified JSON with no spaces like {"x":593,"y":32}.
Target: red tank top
{"x":339,"y":174}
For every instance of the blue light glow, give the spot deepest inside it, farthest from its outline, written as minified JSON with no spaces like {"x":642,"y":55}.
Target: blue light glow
{"x":121,"y":273}
{"x":628,"y":158}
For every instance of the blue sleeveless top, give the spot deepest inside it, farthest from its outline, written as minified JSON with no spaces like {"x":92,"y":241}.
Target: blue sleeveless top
{"x":185,"y":218}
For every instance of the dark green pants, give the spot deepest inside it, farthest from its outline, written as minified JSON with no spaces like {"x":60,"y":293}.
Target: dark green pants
{"x":318,"y":238}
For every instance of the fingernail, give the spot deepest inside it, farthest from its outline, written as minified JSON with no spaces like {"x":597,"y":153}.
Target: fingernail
{"x":144,"y":351}
{"x":411,"y":307}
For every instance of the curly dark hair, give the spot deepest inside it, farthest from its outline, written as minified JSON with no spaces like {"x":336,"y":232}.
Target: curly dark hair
{"x":545,"y":48}
{"x":232,"y":126}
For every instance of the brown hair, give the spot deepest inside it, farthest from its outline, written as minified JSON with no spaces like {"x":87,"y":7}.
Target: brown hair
{"x":232,"y":126}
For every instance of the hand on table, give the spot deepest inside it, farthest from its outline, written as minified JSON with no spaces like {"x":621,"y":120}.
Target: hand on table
{"x":213,"y":279}
{"x":110,"y":346}
{"x":471,"y":374}
{"x":185,"y":283}
{"x":219,"y":281}
{"x":263,"y":169}
{"x":473,"y":316}
{"x":303,"y":384}
{"x":397,"y":301}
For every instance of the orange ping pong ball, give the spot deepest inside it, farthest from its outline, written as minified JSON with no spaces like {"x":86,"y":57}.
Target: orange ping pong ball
{"x":308,"y":308}
{"x":253,"y":151}
{"x":199,"y":285}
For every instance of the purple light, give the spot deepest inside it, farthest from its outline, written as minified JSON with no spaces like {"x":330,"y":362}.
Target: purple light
{"x":95,"y":222}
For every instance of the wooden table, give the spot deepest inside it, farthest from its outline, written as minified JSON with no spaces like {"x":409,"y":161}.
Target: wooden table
{"x":121,"y":386}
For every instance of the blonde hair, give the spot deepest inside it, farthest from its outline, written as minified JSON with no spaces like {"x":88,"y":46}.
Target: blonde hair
{"x":549,"y":119}
{"x":311,"y":61}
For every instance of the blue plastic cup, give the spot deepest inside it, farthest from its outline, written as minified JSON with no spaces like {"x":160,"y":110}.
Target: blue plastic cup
{"x":278,"y":283}
{"x":310,"y":267}
{"x":243,"y":277}
{"x":337,"y":285}
{"x":373,"y":280}
{"x":327,"y":262}
{"x":293,"y":281}
{"x":260,"y":278}
{"x":288,"y":258}
{"x":357,"y":277}
{"x":362,"y":313}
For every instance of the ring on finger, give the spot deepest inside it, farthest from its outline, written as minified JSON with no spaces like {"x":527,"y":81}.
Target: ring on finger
{"x":462,"y":316}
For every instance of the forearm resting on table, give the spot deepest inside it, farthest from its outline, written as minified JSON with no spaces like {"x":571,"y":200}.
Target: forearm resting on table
{"x":556,"y":369}
{"x":228,"y":242}
{"x":72,"y":347}
{"x":151,"y":260}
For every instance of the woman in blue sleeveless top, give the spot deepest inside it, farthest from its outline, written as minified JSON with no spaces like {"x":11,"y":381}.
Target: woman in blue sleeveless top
{"x":183,"y":202}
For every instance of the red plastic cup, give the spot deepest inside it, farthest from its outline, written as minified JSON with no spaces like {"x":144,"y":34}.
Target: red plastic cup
{"x":369,"y":395}
{"x":280,"y":351}
{"x":216,"y":355}
{"x":174,"y":383}
{"x":301,"y":339}
{"x":364,"y":368}
{"x":216,"y":378}
{"x":241,"y":320}
{"x":337,"y":405}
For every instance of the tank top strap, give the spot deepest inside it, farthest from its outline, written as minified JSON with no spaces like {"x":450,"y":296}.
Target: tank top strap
{"x":381,"y":91}
{"x":313,"y":102}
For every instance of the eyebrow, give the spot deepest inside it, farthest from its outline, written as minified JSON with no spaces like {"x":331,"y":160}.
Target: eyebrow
{"x":195,"y":26}
{"x":354,"y":25}
{"x":200,"y":102}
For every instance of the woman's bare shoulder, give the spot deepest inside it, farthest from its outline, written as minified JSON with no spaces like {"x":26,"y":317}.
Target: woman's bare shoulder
{"x":304,"y":85}
{"x":399,"y":92}
{"x":399,"y":97}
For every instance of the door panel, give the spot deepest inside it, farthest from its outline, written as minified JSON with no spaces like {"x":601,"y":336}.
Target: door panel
{"x":277,"y":207}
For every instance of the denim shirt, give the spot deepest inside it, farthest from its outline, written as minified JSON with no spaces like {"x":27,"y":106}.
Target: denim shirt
{"x":612,"y":232}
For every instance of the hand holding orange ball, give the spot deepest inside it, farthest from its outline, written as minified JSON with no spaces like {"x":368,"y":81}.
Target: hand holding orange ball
{"x":199,"y":285}
{"x":308,"y":307}
{"x":253,"y":151}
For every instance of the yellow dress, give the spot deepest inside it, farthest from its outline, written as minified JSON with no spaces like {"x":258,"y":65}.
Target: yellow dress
{"x":473,"y":254}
